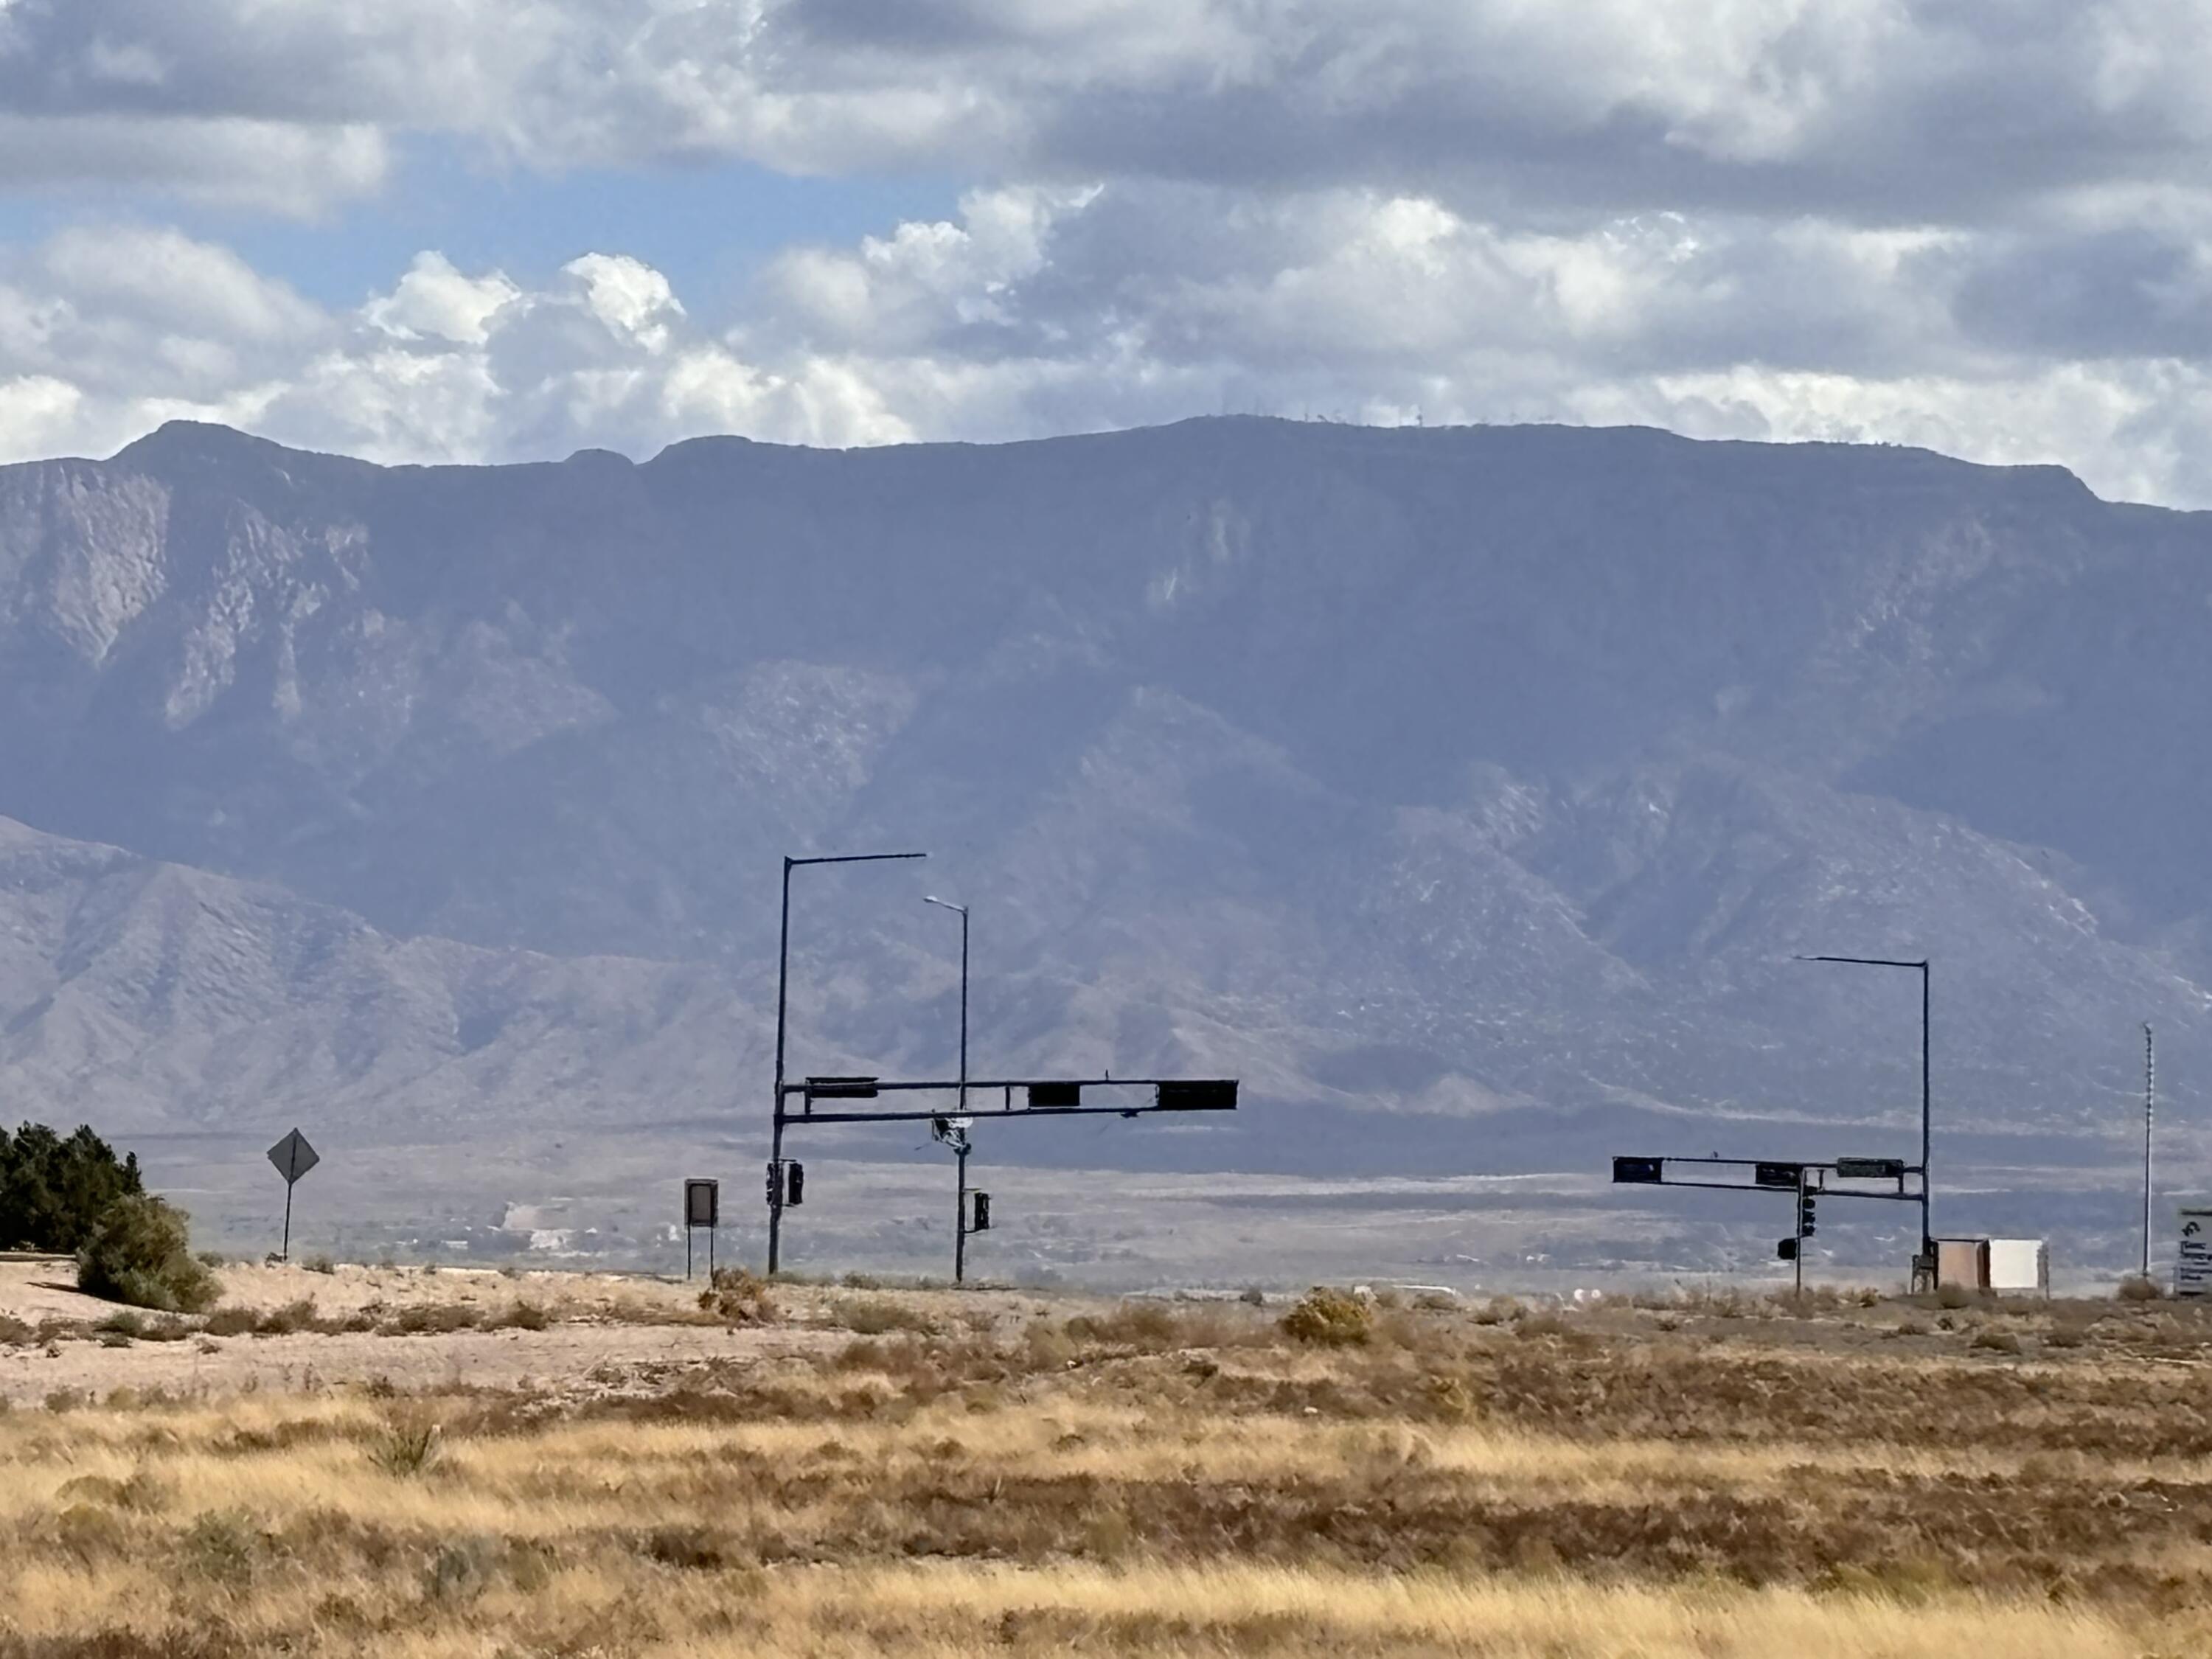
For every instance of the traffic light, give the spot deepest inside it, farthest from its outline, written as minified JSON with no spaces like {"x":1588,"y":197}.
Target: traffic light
{"x":1785,"y":1249}
{"x":982,"y":1223}
{"x":794,"y":1183}
{"x":774,"y":1185}
{"x":1805,"y":1227}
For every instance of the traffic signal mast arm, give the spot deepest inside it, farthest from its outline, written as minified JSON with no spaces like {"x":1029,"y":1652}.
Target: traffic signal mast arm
{"x":1774,"y":1175}
{"x":1169,"y":1095}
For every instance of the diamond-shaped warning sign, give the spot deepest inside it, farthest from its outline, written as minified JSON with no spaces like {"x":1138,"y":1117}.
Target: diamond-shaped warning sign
{"x":293,"y":1157}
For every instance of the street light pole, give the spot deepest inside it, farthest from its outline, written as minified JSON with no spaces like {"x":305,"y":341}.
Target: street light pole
{"x":783,"y":988}
{"x":1927,"y":1115}
{"x":960,"y":1146}
{"x":2150,"y":1100}
{"x":946,"y":904}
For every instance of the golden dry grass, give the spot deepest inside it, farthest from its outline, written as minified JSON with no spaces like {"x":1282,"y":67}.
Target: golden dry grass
{"x":1146,"y":1481}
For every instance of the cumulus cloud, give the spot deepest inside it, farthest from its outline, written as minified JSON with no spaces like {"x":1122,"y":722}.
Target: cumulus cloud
{"x":1984,"y":227}
{"x":1041,"y":309}
{"x":1875,"y":110}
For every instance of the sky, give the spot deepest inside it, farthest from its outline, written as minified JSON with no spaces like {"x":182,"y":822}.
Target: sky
{"x":463,"y":230}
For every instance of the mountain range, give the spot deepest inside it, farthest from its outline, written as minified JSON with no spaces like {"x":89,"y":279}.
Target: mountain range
{"x":1470,"y":787}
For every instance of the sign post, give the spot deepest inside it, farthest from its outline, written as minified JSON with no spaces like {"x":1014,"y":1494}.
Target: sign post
{"x":702,"y":1207}
{"x":293,"y":1158}
{"x":2192,"y":1263}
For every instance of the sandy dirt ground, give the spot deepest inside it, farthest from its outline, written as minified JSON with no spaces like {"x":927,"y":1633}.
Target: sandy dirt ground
{"x":603,"y":1332}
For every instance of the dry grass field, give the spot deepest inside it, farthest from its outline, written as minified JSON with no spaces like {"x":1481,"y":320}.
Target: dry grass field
{"x":927,"y":1473}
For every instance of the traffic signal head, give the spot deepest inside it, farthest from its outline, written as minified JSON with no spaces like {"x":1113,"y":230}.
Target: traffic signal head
{"x":787,"y":1183}
{"x":982,"y":1223}
{"x":1785,"y":1249}
{"x":1805,"y":1216}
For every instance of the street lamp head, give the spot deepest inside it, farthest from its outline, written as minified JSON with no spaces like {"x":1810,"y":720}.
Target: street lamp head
{"x":943,"y":904}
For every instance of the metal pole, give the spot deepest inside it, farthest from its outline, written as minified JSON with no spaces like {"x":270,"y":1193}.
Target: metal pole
{"x":687,"y":1252}
{"x":782,"y":988}
{"x":1927,"y":1103}
{"x":1926,"y":1123}
{"x":1798,"y":1226}
{"x":960,"y":1222}
{"x":776,"y":1130}
{"x":286,"y":1252}
{"x":2150,"y":1099}
{"x":963,"y":1010}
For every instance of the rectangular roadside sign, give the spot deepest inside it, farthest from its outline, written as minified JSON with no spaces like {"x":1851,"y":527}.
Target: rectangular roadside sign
{"x":2192,"y":1261}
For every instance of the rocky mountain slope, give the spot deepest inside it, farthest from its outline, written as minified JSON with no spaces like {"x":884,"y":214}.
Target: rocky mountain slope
{"x":1478,"y":771}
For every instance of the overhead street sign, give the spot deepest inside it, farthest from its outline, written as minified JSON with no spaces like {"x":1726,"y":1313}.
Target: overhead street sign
{"x":293,"y":1157}
{"x":1870,"y":1168}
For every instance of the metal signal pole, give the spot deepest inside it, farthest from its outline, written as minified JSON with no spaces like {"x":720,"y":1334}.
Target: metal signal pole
{"x":1798,"y":1227}
{"x":960,"y":1221}
{"x":782,"y":985}
{"x":1927,"y":1115}
{"x":960,"y":1211}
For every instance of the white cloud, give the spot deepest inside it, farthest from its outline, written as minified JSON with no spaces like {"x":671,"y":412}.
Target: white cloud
{"x":1985,"y":227}
{"x":1068,"y":308}
{"x":286,"y":168}
{"x":1880,"y":109}
{"x":435,"y":301}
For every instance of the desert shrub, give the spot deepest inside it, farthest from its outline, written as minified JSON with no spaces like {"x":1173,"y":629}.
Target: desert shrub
{"x":873,"y":1315}
{"x":289,"y":1320}
{"x":2137,"y":1288}
{"x":736,"y":1296}
{"x":405,"y":1447}
{"x":526,"y":1316}
{"x":53,"y":1191}
{"x":320,"y":1264}
{"x":431,"y":1319}
{"x":231,"y":1321}
{"x":1332,"y":1318}
{"x":222,"y":1547}
{"x":1132,"y":1324}
{"x":1253,"y":1297}
{"x":697,"y":1548}
{"x":140,"y":1253}
{"x":1996,"y":1341}
{"x":460,"y":1571}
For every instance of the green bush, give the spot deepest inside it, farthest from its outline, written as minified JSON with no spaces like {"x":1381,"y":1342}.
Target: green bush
{"x":1330,"y":1317}
{"x":141,"y":1254}
{"x":53,"y":1191}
